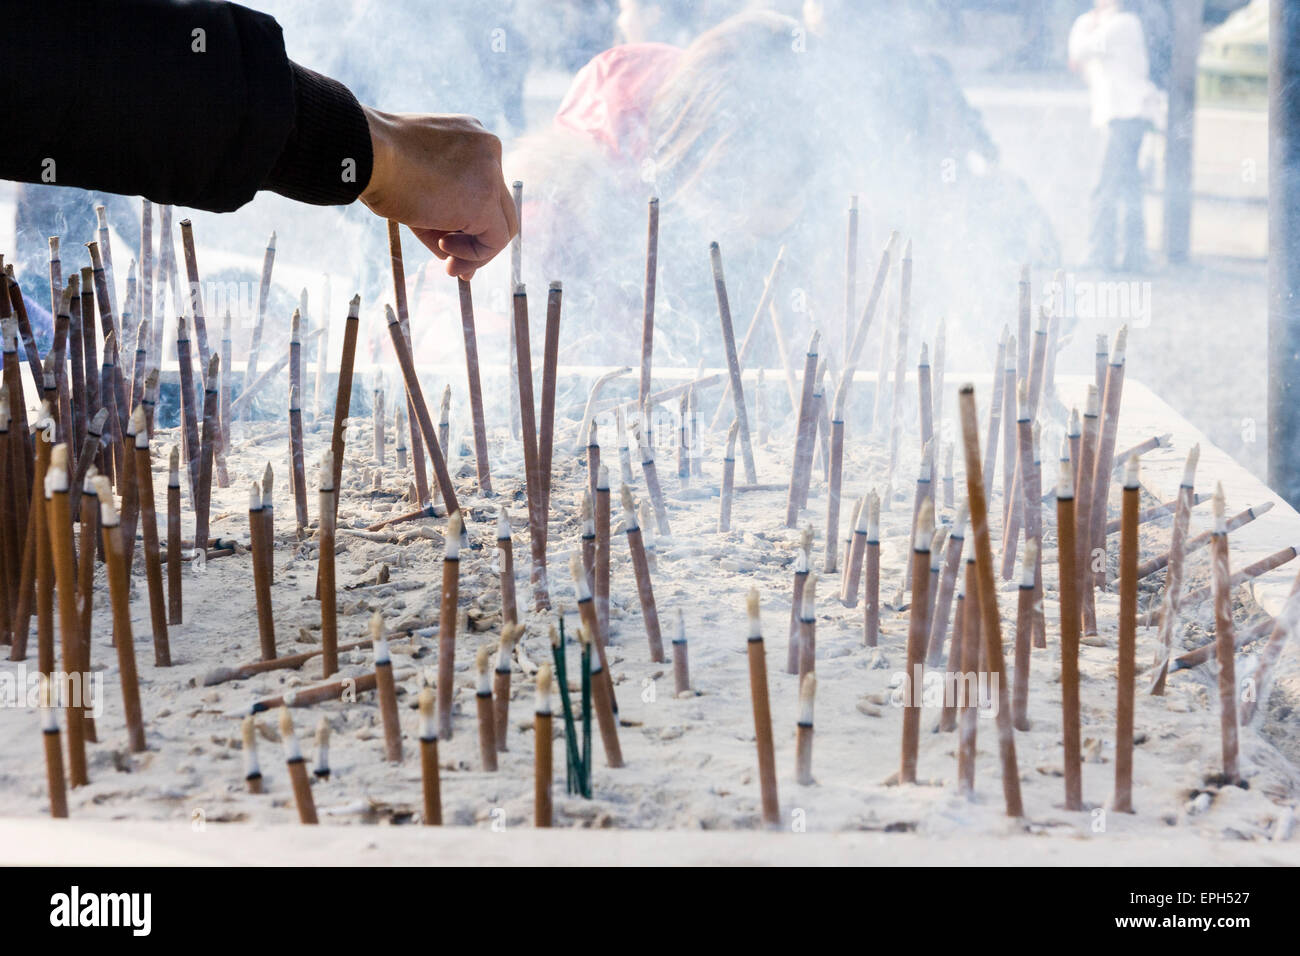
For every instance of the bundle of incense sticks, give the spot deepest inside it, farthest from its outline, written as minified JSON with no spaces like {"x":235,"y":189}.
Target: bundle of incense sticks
{"x":577,"y":753}
{"x":386,"y":690}
{"x":762,"y":714}
{"x":641,"y":568}
{"x":1174,"y":579}
{"x":532,"y":461}
{"x":431,"y":785}
{"x":804,"y":731}
{"x":947,"y":585}
{"x":733,"y":363}
{"x":447,"y":615}
{"x":805,"y":437}
{"x":1122,"y":802}
{"x":990,"y":623}
{"x":297,"y":768}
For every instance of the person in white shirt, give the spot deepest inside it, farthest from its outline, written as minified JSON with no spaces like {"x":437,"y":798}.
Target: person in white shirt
{"x":1108,"y":47}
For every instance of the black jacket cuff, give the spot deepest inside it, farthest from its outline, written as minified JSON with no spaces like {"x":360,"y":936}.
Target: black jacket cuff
{"x":327,"y":159}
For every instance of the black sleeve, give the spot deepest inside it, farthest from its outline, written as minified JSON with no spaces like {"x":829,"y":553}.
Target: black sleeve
{"x":188,"y":102}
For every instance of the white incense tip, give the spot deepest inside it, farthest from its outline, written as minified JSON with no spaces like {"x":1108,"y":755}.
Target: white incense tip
{"x":924,"y":526}
{"x":936,"y":547}
{"x":927,"y":461}
{"x":428,"y":728}
{"x":505,"y":645}
{"x":378,"y":640}
{"x":1189,"y":469}
{"x":751,"y":609}
{"x":139,"y":427}
{"x":56,"y":474}
{"x":452,"y":540}
{"x":1028,"y":563}
{"x":295,"y":328}
{"x":327,"y":470}
{"x":1117,"y":354}
{"x":681,"y":628}
{"x":254,"y":497}
{"x":107,"y":510}
{"x":1075,"y":428}
{"x":291,"y":751}
{"x":503,"y":524}
{"x":1220,"y":509}
{"x":544,"y":689}
{"x":389,"y":314}
{"x":807,"y":691}
{"x":1131,"y":471}
{"x":873,"y":516}
{"x":862,"y":519}
{"x":1009,"y":365}
{"x":924,"y":361}
{"x":1092,"y":407}
{"x":592,"y":440}
{"x":808,"y":609}
{"x":1065,"y":481}
{"x":88,"y":482}
{"x":647,"y":525}
{"x":801,"y":562}
{"x":580,"y":586}
{"x":806,"y":540}
{"x":732,"y":434}
{"x":588,"y":514}
{"x":322,"y":747}
{"x":629,"y":509}
{"x":483,"y":667}
{"x":1022,"y":400}
{"x":602,"y":479}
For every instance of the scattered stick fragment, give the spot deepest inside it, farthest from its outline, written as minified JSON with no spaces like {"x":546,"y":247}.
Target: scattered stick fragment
{"x":804,"y":731}
{"x":1223,"y":639}
{"x":762,"y":714}
{"x":447,"y":624}
{"x":542,"y":769}
{"x":387,"y":691}
{"x":297,"y":768}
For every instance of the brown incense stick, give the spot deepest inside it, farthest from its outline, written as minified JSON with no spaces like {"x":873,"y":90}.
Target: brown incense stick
{"x":804,"y":731}
{"x":223,"y":412}
{"x":430,"y":783}
{"x":297,"y":768}
{"x":762,"y":715}
{"x":871,"y":600}
{"x":603,"y":703}
{"x":297,"y":469}
{"x":149,"y":521}
{"x":76,"y":669}
{"x":44,"y":560}
{"x":487,"y":734}
{"x":917,"y":636}
{"x":1008,"y":418}
{"x":590,"y":621}
{"x":189,"y":410}
{"x":1122,"y":802}
{"x":1174,"y":580}
{"x":399,"y":426}
{"x":50,"y":735}
{"x":418,"y":439}
{"x":681,"y":659}
{"x":1223,"y":639}
{"x":1069,"y":600}
{"x":119,"y":591}
{"x":967,"y":688}
{"x":501,"y":685}
{"x":475,"y":387}
{"x":1024,"y":637}
{"x":195,"y":290}
{"x":991,"y":629}
{"x":808,"y":627}
{"x":261,"y":574}
{"x":252,"y":769}
{"x":532,"y":461}
{"x":641,"y":568}
{"x":386,"y":690}
{"x":1101,"y":475}
{"x":546,"y":427}
{"x":542,"y":769}
{"x":858,"y":548}
{"x":203,"y":504}
{"x":733,"y":363}
{"x":728,"y":479}
{"x":1083,"y":512}
{"x":947,"y":586}
{"x":174,"y":596}
{"x":509,"y":609}
{"x":805,"y":435}
{"x":648,"y":467}
{"x":648,"y":303}
{"x":322,"y":769}
{"x":329,"y":628}
{"x":447,"y":624}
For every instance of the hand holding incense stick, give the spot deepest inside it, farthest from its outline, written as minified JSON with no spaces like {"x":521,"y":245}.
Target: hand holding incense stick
{"x":804,"y":731}
{"x":447,"y":624}
{"x":297,"y":769}
{"x":1123,"y":799}
{"x":252,"y":770}
{"x":762,"y":714}
{"x":641,"y":568}
{"x":542,"y":769}
{"x":431,"y":785}
{"x":119,"y":592}
{"x":487,"y":733}
{"x":991,"y":628}
{"x":1223,"y":639}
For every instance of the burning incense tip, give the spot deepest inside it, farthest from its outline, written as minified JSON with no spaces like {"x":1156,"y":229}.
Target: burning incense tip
{"x":1219,"y":506}
{"x":428,"y":722}
{"x":1131,"y":472}
{"x":588,"y":514}
{"x":801,"y":562}
{"x":1092,"y":407}
{"x":378,"y":640}
{"x":503,"y":524}
{"x":1121,"y":346}
{"x":268,"y":482}
{"x":454,"y":527}
{"x":579,"y":578}
{"x":322,"y":768}
{"x":808,"y":610}
{"x":807,"y":691}
{"x":806,"y":541}
{"x":254,"y":497}
{"x":56,"y":474}
{"x":1065,"y":480}
{"x":544,"y":689}
{"x":629,"y":508}
{"x":139,"y":427}
{"x":1189,"y":470}
{"x":295,"y":328}
{"x":602,"y":479}
{"x":505,"y":646}
{"x":483,"y":665}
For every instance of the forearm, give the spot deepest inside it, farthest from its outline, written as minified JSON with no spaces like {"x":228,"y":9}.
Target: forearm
{"x":190,"y":103}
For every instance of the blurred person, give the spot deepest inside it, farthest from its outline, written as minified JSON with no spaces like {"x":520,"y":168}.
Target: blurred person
{"x":670,"y":21}
{"x":1108,"y":47}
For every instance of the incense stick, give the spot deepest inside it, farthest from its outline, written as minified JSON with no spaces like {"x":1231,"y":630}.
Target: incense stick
{"x":386,"y":690}
{"x":252,"y":770}
{"x":322,"y":769}
{"x":1106,"y":448}
{"x":808,"y":627}
{"x":641,"y":569}
{"x":546,"y":427}
{"x":1083,"y":513}
{"x":430,"y":784}
{"x":475,"y":387}
{"x":174,"y":591}
{"x":329,"y":628}
{"x":447,"y":624}
{"x":149,"y":520}
{"x":542,"y":769}
{"x":1024,"y":637}
{"x":487,"y":734}
{"x":297,"y":768}
{"x":1069,"y":602}
{"x":377,"y":422}
{"x":835,"y":483}
{"x":1223,"y":639}
{"x":648,"y":302}
{"x":751,"y":336}
{"x":762,"y":714}
{"x":871,"y":605}
{"x":942,"y":605}
{"x":509,"y":609}
{"x":189,"y":412}
{"x":1122,"y":802}
{"x":501,"y":685}
{"x":988,"y":604}
{"x":55,"y":782}
{"x":805,"y":435}
{"x":728,"y":479}
{"x":297,"y":470}
{"x":917,"y":635}
{"x":733,"y":362}
{"x":967,"y":695}
{"x":804,"y":731}
{"x":76,"y":669}
{"x":648,"y":467}
{"x":119,"y":592}
{"x":263,"y":292}
{"x":1174,"y":580}
{"x":211,"y":396}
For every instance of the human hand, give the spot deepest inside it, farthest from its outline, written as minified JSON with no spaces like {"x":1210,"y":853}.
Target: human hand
{"x":440,"y":174}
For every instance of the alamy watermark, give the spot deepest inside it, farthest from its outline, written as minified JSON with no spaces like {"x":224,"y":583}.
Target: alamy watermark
{"x":21,"y":687}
